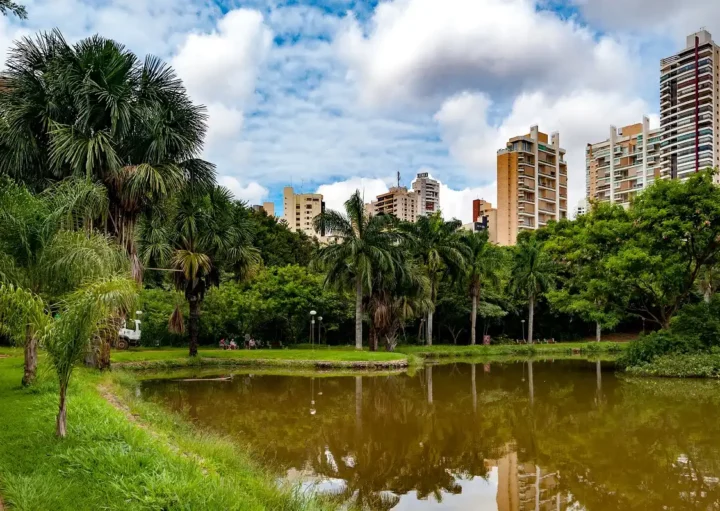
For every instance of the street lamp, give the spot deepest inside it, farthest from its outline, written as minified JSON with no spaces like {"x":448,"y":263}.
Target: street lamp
{"x":312,"y":328}
{"x":523,"y":328}
{"x":643,"y":319}
{"x":319,"y":329}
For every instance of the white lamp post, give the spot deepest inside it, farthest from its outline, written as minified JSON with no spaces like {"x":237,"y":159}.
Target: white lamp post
{"x":312,"y":328}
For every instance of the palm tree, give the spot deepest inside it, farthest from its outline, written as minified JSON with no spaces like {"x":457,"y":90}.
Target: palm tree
{"x":197,"y":239}
{"x":439,"y":247}
{"x":482,"y":266}
{"x":95,"y":110}
{"x":364,"y":245}
{"x":532,"y":274}
{"x":8,"y":6}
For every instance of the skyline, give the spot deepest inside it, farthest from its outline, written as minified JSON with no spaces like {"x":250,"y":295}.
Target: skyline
{"x":312,"y":93}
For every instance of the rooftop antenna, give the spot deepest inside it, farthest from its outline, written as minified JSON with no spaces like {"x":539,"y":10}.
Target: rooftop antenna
{"x":398,"y":179}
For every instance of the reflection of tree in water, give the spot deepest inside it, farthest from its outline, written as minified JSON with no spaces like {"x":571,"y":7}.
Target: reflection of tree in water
{"x":607,"y":443}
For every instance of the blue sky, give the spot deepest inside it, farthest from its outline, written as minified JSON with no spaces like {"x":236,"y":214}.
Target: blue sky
{"x":331,"y":95}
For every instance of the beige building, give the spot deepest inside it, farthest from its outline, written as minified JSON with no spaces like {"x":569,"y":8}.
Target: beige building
{"x":484,"y":219}
{"x":617,"y":168}
{"x":299,"y":210}
{"x":267,"y":207}
{"x":690,"y":107}
{"x":428,"y":194}
{"x":398,"y":202}
{"x":531,"y":184}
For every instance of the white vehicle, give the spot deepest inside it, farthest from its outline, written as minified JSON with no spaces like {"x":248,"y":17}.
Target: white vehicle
{"x":127,"y":336}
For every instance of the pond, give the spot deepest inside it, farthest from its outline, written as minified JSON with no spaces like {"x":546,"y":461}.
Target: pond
{"x":503,"y":436}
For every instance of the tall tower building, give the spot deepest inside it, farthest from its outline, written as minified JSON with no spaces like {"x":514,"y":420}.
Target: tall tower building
{"x":690,"y":107}
{"x":531,"y":184}
{"x":617,"y":168}
{"x":428,"y":194}
{"x":300,"y":209}
{"x":398,"y":201}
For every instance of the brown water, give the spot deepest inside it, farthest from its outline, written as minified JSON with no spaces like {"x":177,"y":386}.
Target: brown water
{"x":508,"y":437}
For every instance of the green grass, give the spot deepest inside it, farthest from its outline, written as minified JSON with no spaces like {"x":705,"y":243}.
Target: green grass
{"x":146,"y":358}
{"x":680,"y":366}
{"x":142,"y":458}
{"x":481,"y":351}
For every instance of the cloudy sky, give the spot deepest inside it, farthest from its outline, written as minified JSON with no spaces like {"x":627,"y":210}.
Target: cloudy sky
{"x":336,"y":95}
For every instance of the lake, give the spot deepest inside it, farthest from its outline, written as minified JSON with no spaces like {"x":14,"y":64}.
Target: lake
{"x":542,"y":435}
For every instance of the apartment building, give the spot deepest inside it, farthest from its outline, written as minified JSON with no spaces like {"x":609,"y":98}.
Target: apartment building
{"x":484,"y":219}
{"x":690,"y":107}
{"x":398,"y":201}
{"x":581,"y":207}
{"x":267,"y":207}
{"x":532,"y":184}
{"x":300,"y":209}
{"x":628,"y":161}
{"x":428,"y":194}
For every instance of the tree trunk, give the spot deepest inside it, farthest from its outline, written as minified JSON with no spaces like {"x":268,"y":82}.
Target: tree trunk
{"x":30,"y":371}
{"x":358,"y":403}
{"x":473,"y":318}
{"x":531,"y":314}
{"x":429,"y":328}
{"x":707,"y":294}
{"x":598,"y":331}
{"x":61,"y":424}
{"x":428,"y":374}
{"x":194,"y":325}
{"x":531,"y":382}
{"x":358,"y":314}
{"x":474,"y":389}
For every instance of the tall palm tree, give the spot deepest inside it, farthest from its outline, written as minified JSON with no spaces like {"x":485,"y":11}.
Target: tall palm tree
{"x":532,"y":274}
{"x":8,"y":6}
{"x":197,"y":239}
{"x":483,"y":264}
{"x":439,"y":247}
{"x":95,"y":110}
{"x":364,"y":245}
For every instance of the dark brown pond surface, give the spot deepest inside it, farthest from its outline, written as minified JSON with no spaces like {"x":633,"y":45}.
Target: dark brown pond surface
{"x":508,"y":437}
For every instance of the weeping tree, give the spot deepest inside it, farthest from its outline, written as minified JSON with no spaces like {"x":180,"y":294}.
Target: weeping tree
{"x":95,"y":110}
{"x":83,"y":316}
{"x":197,"y":237}
{"x":364,"y":245}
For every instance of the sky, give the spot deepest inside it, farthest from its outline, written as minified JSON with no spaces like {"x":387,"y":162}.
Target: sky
{"x":338,"y":95}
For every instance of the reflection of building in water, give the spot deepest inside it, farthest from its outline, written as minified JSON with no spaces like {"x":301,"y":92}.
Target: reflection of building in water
{"x":525,"y":486}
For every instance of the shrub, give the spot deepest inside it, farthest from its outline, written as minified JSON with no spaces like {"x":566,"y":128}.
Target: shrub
{"x":655,"y":344}
{"x":699,"y":320}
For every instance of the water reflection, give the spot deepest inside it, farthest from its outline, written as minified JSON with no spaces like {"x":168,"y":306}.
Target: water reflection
{"x":525,"y":436}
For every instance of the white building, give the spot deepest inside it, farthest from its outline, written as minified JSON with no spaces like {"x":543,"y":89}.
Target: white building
{"x":581,"y":208}
{"x":690,"y":107}
{"x":428,"y":194}
{"x":299,"y":211}
{"x":398,"y":201}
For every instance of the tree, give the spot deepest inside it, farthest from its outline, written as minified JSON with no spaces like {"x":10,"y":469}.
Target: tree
{"x":94,"y":110}
{"x":439,"y":247}
{"x":8,"y":6}
{"x":84,"y":315}
{"x":483,"y":264}
{"x":532,"y":274}
{"x":198,"y":237}
{"x":364,"y":245}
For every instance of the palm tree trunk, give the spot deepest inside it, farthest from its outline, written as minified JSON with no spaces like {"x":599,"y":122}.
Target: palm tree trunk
{"x":474,"y":388}
{"x":194,"y":325}
{"x":61,"y":424}
{"x":358,"y":403}
{"x":473,"y":318}
{"x":30,"y":371}
{"x":531,"y":314}
{"x":531,"y":382}
{"x":429,"y":328}
{"x":358,"y":313}
{"x":598,"y":331}
{"x":428,"y":375}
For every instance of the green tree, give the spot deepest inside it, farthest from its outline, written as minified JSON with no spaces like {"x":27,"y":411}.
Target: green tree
{"x":95,"y":110}
{"x":8,"y":6}
{"x":364,"y":245}
{"x":483,"y":265}
{"x":198,"y":237}
{"x":278,"y":245}
{"x":439,"y":247}
{"x":532,"y":274}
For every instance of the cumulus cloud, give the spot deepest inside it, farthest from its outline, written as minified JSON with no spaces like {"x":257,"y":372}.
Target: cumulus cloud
{"x":335,"y":194}
{"x":252,"y":193}
{"x":416,"y":49}
{"x":222,"y":65}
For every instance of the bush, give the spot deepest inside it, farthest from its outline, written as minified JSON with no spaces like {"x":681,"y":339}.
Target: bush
{"x":656,"y":344}
{"x":699,"y":320}
{"x":157,"y":306}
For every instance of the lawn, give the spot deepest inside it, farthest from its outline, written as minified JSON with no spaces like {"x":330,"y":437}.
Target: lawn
{"x":142,"y":458}
{"x":565,"y":348}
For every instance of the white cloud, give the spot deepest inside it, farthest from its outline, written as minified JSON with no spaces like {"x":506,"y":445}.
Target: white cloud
{"x":335,"y":194}
{"x":252,"y":193}
{"x":222,"y":65}
{"x":458,"y":203}
{"x":416,"y":49}
{"x":224,"y":123}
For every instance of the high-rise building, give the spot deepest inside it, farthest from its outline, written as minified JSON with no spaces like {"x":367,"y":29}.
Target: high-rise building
{"x":581,"y":207}
{"x":428,"y":194}
{"x":299,"y":211}
{"x":398,"y":201}
{"x":267,"y":207}
{"x":617,"y":168}
{"x":531,"y":184}
{"x":484,"y":219}
{"x":690,"y":107}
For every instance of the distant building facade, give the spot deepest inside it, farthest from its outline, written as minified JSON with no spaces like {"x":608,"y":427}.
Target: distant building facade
{"x":267,"y":207}
{"x":300,"y":209}
{"x":581,"y":208}
{"x":484,"y":219}
{"x":398,"y":201}
{"x":428,"y":194}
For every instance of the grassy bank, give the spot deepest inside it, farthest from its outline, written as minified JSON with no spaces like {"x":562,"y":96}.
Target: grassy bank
{"x":322,"y":358}
{"x":129,"y":456}
{"x":680,"y":366}
{"x":514,"y":350}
